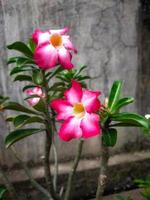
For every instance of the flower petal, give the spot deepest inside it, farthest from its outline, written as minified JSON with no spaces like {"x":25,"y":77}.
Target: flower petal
{"x":90,"y":125}
{"x":90,"y":101}
{"x":60,"y":31}
{"x":65,"y":58}
{"x":70,"y":129}
{"x":46,"y":56}
{"x":68,"y":44}
{"x":63,"y":109}
{"x":33,"y":101}
{"x":40,"y":37}
{"x":74,"y":94}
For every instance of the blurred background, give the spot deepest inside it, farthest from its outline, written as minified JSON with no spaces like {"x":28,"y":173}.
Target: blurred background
{"x":113,"y":40}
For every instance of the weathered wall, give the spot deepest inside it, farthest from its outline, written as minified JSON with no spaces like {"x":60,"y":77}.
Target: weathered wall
{"x":105,"y":33}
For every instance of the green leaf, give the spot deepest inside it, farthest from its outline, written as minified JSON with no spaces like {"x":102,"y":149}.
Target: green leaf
{"x":122,"y":102}
{"x":21,"y":47}
{"x":130,"y":118}
{"x":37,"y":77}
{"x":28,"y":87}
{"x":109,"y":137}
{"x":18,"y":107}
{"x":31,"y":45}
{"x":22,"y":120}
{"x":19,"y":134}
{"x":114,"y":94}
{"x":2,"y":192}
{"x":16,"y":70}
{"x":56,"y":71}
{"x":40,"y":106}
{"x":23,"y":78}
{"x":20,"y":60}
{"x":80,"y":70}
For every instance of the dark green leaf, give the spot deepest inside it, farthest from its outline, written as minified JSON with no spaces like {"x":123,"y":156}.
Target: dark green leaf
{"x":31,"y":45}
{"x":28,"y":87}
{"x":40,"y":106}
{"x":22,"y":120}
{"x":20,"y":60}
{"x":32,"y":96}
{"x":23,"y":78}
{"x":80,"y":70}
{"x":114,"y":94}
{"x":18,"y":107}
{"x":16,"y":70}
{"x":21,"y":47}
{"x":37,"y":77}
{"x":2,"y":192}
{"x":19,"y":134}
{"x":109,"y":137}
{"x":56,"y":71}
{"x":130,"y":118}
{"x":122,"y":102}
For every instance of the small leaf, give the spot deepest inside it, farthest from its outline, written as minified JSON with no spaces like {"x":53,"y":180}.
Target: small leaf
{"x":19,"y":134}
{"x":31,"y":45}
{"x":122,"y":102}
{"x":114,"y":94}
{"x":22,"y":120}
{"x":37,"y":77}
{"x":23,"y":78}
{"x":28,"y":87}
{"x":20,"y":60}
{"x":80,"y":70}
{"x":134,"y":118}
{"x":21,"y":47}
{"x":109,"y":137}
{"x":56,"y":71}
{"x":2,"y":192}
{"x":40,"y":106}
{"x":18,"y":107}
{"x":16,"y":70}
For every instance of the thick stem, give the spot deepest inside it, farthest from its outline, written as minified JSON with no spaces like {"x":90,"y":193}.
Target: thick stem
{"x":102,"y":180}
{"x":27,"y":171}
{"x":73,"y":170}
{"x":8,"y":185}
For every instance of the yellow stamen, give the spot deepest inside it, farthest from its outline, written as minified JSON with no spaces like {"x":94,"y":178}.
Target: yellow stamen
{"x":56,"y":40}
{"x":78,"y":109}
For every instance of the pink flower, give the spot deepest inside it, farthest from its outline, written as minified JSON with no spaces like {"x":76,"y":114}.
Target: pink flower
{"x":34,"y":91}
{"x":78,"y":112}
{"x":53,"y":47}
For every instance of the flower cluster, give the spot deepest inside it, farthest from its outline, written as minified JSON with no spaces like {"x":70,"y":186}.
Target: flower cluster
{"x":78,"y":108}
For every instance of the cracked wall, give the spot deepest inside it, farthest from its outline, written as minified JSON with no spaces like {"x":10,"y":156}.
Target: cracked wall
{"x":106,"y":35}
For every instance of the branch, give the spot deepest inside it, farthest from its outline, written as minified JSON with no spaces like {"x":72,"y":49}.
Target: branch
{"x":27,"y":171}
{"x":103,"y":172}
{"x":73,"y":170}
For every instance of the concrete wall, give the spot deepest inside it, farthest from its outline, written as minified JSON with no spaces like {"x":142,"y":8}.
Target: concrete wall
{"x":105,"y":33}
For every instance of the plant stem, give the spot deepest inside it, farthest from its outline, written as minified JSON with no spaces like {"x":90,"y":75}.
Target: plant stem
{"x":48,"y":143}
{"x":27,"y":171}
{"x":8,"y":185}
{"x":56,"y":167}
{"x":103,"y":171}
{"x":73,"y":170}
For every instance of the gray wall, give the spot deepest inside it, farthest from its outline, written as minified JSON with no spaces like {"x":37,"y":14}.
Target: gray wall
{"x":105,"y":34}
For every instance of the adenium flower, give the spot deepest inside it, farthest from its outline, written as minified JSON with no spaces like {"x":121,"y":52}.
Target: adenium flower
{"x":53,"y":47}
{"x":77,"y":110}
{"x":34,"y":91}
